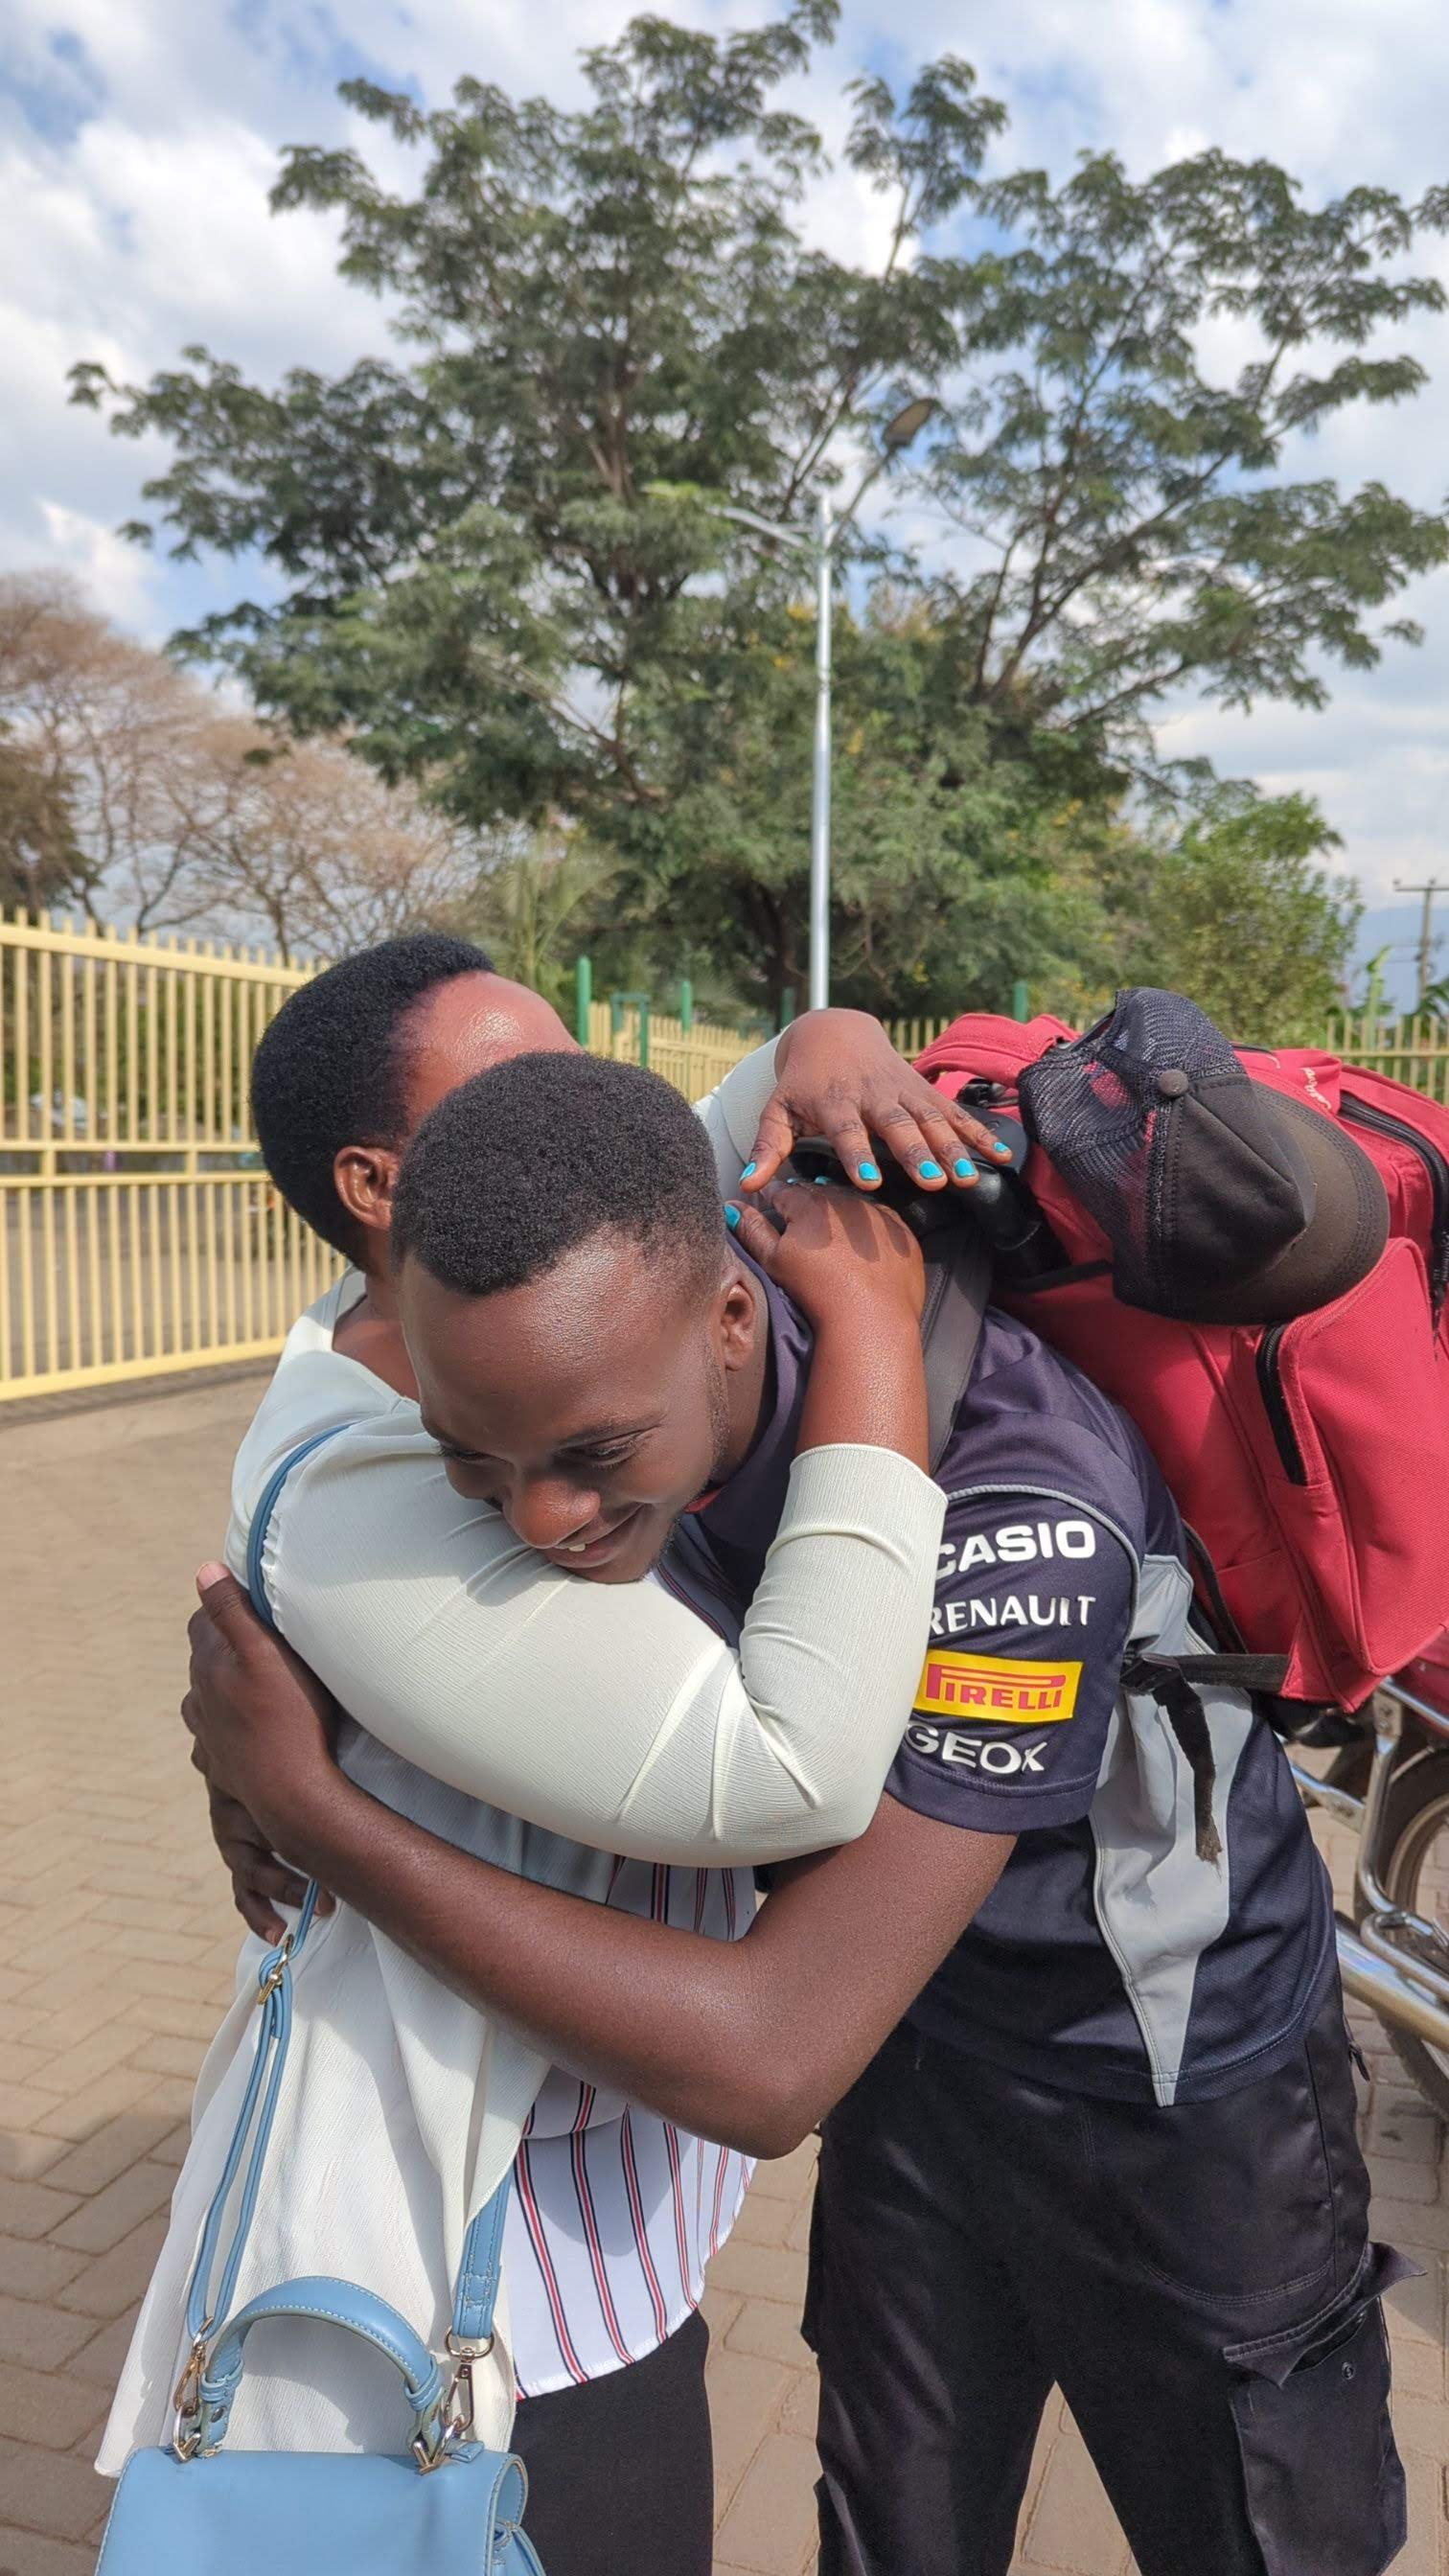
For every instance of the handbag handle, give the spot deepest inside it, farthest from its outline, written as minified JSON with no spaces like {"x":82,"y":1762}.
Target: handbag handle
{"x":338,"y":2303}
{"x":207,"y":2386}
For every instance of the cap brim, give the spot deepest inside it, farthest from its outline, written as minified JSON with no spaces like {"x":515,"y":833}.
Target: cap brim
{"x":1340,"y":1244}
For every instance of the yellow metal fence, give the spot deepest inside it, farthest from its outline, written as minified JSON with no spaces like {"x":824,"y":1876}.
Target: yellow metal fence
{"x":139,"y":1233}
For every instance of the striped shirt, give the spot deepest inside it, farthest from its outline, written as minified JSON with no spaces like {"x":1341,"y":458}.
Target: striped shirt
{"x":616,"y":2212}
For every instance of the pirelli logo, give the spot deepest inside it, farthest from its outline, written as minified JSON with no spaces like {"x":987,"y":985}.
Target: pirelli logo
{"x":987,"y":1687}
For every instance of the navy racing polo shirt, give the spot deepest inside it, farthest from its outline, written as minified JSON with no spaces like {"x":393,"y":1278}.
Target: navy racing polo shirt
{"x":1110,"y":1957}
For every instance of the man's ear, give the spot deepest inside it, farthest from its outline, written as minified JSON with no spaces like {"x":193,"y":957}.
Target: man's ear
{"x":737,"y":1319}
{"x":365,"y":1177}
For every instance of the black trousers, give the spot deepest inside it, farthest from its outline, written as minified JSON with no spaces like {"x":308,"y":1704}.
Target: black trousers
{"x":621,"y":2471}
{"x":1197,"y":2281}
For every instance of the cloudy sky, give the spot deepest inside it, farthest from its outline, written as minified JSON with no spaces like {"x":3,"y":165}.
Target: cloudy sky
{"x":138,"y":140}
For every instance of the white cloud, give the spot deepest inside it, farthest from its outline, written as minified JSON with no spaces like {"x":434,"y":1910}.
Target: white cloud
{"x":137,"y":145}
{"x":114,"y":574}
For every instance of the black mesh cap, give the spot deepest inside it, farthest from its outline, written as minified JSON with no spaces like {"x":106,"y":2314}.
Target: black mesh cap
{"x":1202,"y":1181}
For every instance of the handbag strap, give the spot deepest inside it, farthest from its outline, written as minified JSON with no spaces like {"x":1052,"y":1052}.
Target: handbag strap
{"x":262,"y":1519}
{"x":253,"y":2130}
{"x":476,"y":2293}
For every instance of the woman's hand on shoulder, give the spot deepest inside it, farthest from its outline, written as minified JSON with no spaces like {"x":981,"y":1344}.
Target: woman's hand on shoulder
{"x":839,"y":1077}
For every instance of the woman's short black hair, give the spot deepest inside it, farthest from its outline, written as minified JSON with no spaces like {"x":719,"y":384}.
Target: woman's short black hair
{"x":541,"y":1153}
{"x":331,"y":1068}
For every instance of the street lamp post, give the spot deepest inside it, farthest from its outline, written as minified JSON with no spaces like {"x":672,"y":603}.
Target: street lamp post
{"x":819,"y":548}
{"x":820,"y":779}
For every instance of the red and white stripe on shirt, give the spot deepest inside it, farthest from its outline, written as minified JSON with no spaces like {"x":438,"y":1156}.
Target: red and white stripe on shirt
{"x":616,"y":2212}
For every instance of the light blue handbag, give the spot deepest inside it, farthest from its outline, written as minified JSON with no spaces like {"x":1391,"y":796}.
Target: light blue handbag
{"x":444,"y":2506}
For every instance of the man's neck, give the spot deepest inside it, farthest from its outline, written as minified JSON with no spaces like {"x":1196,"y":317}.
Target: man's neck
{"x":371,"y":1334}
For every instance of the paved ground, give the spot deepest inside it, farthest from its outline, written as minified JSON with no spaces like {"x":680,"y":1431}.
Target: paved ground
{"x":116,"y":1943}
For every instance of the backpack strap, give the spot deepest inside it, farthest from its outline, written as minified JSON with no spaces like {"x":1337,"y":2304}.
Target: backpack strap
{"x":958,"y":1289}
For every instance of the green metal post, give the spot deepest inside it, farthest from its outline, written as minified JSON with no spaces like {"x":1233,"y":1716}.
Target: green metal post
{"x":618,"y":1003}
{"x":1020,"y":1004}
{"x":583,"y":999}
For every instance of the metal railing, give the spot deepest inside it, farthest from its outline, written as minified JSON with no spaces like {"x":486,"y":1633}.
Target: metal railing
{"x":139,"y":1234}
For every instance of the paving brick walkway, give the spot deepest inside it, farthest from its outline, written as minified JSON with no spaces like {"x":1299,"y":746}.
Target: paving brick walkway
{"x":116,"y":1945}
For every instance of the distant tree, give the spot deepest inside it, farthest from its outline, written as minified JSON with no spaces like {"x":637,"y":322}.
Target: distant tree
{"x":40,"y":859}
{"x":539,"y":899}
{"x":1235,"y":910}
{"x":127,"y":788}
{"x":123,"y":743}
{"x":312,"y":848}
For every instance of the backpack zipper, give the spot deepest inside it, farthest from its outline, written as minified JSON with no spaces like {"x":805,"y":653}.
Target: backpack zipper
{"x":1382,"y":1122}
{"x":1275,"y":1405}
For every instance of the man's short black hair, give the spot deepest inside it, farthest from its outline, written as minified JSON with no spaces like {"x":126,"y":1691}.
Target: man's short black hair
{"x":331,"y":1069}
{"x":540,"y":1154}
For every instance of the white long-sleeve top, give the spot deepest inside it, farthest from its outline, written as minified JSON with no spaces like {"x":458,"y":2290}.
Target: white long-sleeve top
{"x":593,"y":1720}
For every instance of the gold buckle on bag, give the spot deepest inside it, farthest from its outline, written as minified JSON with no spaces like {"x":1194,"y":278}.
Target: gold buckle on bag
{"x":274,"y":1976}
{"x":186,"y":2430}
{"x":460,"y":2405}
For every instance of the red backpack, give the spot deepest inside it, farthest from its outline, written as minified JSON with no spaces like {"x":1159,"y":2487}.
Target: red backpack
{"x":1310,"y":1459}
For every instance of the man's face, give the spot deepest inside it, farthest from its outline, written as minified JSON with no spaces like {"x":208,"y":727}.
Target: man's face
{"x":591,"y":1406}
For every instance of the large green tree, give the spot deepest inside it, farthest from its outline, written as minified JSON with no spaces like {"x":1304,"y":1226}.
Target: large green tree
{"x":500,"y":558}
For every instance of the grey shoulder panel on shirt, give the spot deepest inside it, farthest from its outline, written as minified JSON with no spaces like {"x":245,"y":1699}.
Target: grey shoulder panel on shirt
{"x":1148,"y":1873}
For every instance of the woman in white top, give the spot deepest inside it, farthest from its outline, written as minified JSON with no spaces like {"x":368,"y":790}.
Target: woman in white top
{"x":614,"y":1717}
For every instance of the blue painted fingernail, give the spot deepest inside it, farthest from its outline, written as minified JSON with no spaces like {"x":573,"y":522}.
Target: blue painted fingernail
{"x":964,"y":1168}
{"x":868,"y":1171}
{"x":745,"y":1174}
{"x":1003,"y":1150}
{"x":732,"y":1217}
{"x":822,"y":1181}
{"x":931,"y":1172}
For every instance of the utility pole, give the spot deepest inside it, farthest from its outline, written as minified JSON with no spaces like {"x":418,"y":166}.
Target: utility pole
{"x":1435,"y":885}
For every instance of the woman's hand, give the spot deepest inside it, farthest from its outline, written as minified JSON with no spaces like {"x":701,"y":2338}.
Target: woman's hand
{"x":838,"y":1076}
{"x":839,"y":1258}
{"x":261,"y":1723}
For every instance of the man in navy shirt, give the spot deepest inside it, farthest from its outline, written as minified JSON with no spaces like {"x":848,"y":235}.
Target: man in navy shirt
{"x":1071,"y":2004}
